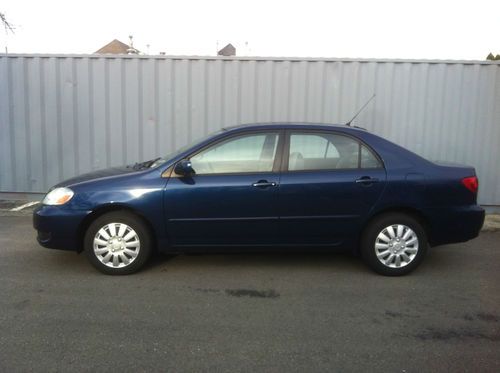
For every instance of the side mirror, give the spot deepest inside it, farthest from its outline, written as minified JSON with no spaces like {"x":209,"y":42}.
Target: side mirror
{"x":184,"y":168}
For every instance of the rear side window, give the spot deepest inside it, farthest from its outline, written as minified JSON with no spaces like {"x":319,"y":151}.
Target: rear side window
{"x":326,"y":151}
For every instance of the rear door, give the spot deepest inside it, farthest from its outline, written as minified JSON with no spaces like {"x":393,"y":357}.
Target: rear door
{"x":330,"y":181}
{"x":232,"y":199}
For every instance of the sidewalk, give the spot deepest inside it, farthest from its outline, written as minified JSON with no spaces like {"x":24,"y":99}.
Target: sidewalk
{"x":17,"y":207}
{"x":491,"y":223}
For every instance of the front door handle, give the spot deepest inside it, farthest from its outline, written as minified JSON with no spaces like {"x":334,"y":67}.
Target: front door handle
{"x":263,"y":184}
{"x":367,"y":180}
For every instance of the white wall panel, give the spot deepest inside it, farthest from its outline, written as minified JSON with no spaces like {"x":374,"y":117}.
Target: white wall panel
{"x":62,"y":115}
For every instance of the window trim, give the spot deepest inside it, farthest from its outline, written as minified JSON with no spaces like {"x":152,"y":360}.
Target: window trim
{"x":286,"y":151}
{"x":277,"y":159}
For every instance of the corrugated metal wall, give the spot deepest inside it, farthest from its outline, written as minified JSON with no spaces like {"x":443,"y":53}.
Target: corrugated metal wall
{"x":65,"y":115}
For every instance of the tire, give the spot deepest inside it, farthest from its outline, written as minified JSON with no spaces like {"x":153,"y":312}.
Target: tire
{"x":121,"y":250}
{"x":390,"y":236}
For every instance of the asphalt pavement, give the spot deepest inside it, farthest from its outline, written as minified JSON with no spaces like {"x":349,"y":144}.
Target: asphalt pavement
{"x":302,"y":312}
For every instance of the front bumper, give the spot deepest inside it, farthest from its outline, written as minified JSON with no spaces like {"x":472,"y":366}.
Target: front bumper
{"x":58,"y":227}
{"x":457,"y":224}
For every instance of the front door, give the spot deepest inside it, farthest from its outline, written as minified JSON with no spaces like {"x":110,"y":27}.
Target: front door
{"x":329,"y":183}
{"x":232,"y":197}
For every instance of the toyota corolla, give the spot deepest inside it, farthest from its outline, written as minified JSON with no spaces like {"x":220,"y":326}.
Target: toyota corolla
{"x":263,"y":186}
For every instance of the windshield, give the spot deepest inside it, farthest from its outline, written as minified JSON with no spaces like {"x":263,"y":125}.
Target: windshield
{"x":169,"y":156}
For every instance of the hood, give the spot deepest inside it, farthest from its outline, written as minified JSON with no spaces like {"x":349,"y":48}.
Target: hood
{"x":99,"y":174}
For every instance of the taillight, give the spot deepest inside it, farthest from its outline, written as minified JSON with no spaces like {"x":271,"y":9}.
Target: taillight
{"x":471,"y":183}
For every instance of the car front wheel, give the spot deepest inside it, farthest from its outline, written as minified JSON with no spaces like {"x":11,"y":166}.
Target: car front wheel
{"x":394,"y":244}
{"x":117,"y":243}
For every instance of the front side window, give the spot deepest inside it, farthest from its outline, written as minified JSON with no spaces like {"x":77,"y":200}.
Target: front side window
{"x":327,"y":151}
{"x":242,"y":154}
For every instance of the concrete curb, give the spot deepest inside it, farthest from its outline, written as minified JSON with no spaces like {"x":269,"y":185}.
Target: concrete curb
{"x":491,"y":223}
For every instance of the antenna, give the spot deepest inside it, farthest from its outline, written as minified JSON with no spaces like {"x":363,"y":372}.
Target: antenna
{"x":360,"y":110}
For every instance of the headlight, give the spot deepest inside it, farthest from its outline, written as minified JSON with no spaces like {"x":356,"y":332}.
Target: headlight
{"x":58,"y":196}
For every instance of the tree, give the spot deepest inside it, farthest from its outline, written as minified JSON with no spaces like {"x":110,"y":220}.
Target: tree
{"x":492,"y":57}
{"x":8,"y":26}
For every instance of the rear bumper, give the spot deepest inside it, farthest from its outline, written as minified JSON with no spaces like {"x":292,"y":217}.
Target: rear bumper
{"x":455,"y":224}
{"x":58,"y":227}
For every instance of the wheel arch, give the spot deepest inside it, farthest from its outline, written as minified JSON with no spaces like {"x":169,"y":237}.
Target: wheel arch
{"x":107,"y":208}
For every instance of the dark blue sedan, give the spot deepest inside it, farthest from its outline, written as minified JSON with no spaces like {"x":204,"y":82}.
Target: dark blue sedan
{"x":267,"y":185}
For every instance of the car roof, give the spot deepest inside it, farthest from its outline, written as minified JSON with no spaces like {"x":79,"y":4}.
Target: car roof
{"x":291,"y":125}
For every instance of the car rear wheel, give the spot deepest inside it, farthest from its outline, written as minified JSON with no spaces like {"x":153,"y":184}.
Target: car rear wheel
{"x":394,"y":244}
{"x":118,"y":243}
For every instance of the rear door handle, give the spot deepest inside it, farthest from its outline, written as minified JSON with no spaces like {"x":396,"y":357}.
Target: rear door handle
{"x":367,"y":180}
{"x":263,"y":184}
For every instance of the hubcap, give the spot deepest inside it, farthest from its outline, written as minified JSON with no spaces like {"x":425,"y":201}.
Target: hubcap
{"x":116,"y":245}
{"x":396,"y":246}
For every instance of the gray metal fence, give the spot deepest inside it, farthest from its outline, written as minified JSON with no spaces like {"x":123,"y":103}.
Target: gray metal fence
{"x":64,"y":115}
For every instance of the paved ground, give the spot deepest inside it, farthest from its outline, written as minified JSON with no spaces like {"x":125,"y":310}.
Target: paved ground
{"x":301,"y":312}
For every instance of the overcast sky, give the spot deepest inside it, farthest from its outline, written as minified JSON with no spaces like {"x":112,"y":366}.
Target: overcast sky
{"x":350,"y":28}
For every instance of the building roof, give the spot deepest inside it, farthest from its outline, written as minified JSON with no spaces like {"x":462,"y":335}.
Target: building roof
{"x":228,"y":50}
{"x":114,"y":47}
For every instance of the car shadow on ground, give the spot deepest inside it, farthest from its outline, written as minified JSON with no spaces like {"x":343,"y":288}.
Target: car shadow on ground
{"x":72,"y":262}
{"x":437,"y":259}
{"x":258,"y":260}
